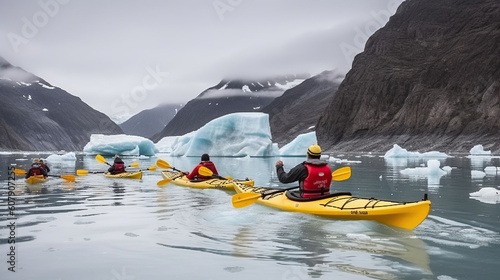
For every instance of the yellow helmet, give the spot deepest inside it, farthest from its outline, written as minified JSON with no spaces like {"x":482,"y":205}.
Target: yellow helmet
{"x":314,"y":150}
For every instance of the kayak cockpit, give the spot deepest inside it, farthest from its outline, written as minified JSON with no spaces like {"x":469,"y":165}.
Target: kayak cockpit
{"x":295,"y":196}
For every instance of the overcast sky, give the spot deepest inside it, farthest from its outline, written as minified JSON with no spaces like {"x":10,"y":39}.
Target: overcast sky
{"x":121,"y":57}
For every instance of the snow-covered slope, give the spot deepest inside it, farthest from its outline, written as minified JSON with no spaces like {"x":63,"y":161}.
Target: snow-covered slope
{"x":228,"y":96}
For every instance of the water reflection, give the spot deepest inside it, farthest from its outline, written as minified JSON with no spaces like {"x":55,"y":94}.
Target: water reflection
{"x":182,"y":225}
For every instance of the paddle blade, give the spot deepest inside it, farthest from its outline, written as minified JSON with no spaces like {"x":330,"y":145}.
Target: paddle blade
{"x":341,"y":174}
{"x":82,"y":172}
{"x":205,"y":171}
{"x":100,"y":159}
{"x":163,"y":164}
{"x":152,"y":168}
{"x":241,"y":200}
{"x":19,"y":172}
{"x":70,"y":178}
{"x":134,"y":164}
{"x":163,"y":182}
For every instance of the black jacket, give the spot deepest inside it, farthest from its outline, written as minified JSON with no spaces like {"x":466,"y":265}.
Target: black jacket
{"x":298,"y":173}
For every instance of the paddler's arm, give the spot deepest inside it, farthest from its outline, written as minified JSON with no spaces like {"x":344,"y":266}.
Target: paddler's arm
{"x":193,"y":173}
{"x":298,"y":173}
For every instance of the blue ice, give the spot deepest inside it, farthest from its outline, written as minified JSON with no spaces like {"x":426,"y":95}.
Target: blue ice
{"x":232,"y":135}
{"x":120,"y":144}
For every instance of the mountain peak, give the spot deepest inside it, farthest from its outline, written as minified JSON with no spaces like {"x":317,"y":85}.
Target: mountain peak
{"x":4,"y":63}
{"x":243,"y":86}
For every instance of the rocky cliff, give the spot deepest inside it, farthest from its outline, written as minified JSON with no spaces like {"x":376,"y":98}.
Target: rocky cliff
{"x":297,"y":111}
{"x":428,"y":80}
{"x":34,"y":115}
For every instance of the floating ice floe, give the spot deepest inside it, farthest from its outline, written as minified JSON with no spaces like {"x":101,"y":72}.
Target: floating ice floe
{"x":232,"y":135}
{"x":491,"y":170}
{"x":299,"y":146}
{"x":71,"y":156}
{"x":398,"y":152}
{"x":120,"y":144}
{"x":432,"y":168}
{"x":343,"y":161}
{"x":478,"y":150}
{"x":487,"y":195}
{"x":432,"y":171}
{"x":476,"y":174}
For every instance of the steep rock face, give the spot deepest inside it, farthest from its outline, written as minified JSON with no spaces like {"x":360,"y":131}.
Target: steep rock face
{"x":34,"y":115}
{"x":229,"y":96}
{"x":429,"y":79}
{"x":297,"y":111}
{"x":147,"y":123}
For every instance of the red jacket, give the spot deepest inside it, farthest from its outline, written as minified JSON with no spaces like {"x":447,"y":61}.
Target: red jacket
{"x":36,"y":169}
{"x":117,"y":168}
{"x":195,"y":175}
{"x":318,"y":181}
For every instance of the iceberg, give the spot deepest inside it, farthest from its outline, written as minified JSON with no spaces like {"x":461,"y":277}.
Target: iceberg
{"x":491,"y":170}
{"x":232,"y":135}
{"x":433,"y":172}
{"x":60,"y":161}
{"x":165,"y":144}
{"x":487,"y":195}
{"x":298,"y":147}
{"x":71,"y":156}
{"x":478,"y":150}
{"x":119,"y":144}
{"x":398,"y":152}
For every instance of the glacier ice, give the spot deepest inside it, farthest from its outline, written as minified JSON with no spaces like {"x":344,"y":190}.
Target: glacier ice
{"x":232,"y":135}
{"x":165,"y":144}
{"x":487,"y":195}
{"x":298,"y":147}
{"x":398,"y":152}
{"x":478,"y":150}
{"x":120,"y":144}
{"x":432,"y":171}
{"x":71,"y":156}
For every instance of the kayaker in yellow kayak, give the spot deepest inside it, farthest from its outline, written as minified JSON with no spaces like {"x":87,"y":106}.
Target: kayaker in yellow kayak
{"x":205,"y":161}
{"x":36,"y":169}
{"x":314,"y":175}
{"x":117,"y":167}
{"x":43,"y":165}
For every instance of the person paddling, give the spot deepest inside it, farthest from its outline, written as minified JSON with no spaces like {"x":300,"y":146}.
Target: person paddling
{"x":36,"y":169}
{"x":117,"y":167}
{"x":205,"y":161}
{"x":314,"y":175}
{"x":43,"y":165}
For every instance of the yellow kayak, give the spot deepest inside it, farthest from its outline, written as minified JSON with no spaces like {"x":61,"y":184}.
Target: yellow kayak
{"x":128,"y":175}
{"x":36,"y":179}
{"x":180,"y":179}
{"x":344,"y":206}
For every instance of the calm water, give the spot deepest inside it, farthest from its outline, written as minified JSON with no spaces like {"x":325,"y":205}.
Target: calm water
{"x":98,"y":228}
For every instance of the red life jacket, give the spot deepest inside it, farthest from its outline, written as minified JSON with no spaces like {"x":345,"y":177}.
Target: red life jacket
{"x":35,"y":171}
{"x":318,"y":181}
{"x":119,"y":168}
{"x":195,"y":174}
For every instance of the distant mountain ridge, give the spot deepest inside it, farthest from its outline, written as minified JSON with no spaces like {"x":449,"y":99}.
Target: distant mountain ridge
{"x":228,"y":96}
{"x":429,"y":80}
{"x":297,"y":111}
{"x":34,"y":115}
{"x":148,"y":123}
